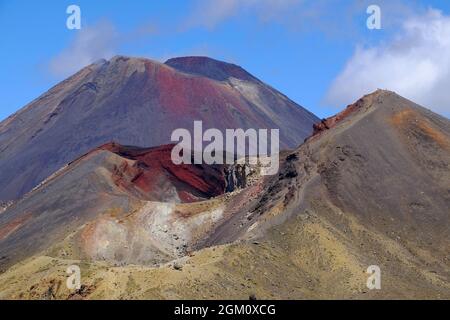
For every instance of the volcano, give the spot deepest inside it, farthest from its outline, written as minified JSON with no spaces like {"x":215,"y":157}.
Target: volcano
{"x":137,"y":102}
{"x":369,"y":187}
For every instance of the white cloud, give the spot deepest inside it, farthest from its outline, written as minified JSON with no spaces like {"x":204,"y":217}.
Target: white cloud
{"x":89,"y":45}
{"x":415,"y":64}
{"x":332,"y":17}
{"x":210,"y":13}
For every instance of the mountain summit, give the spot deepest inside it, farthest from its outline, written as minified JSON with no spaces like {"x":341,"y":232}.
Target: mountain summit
{"x":210,"y":68}
{"x":139,"y":102}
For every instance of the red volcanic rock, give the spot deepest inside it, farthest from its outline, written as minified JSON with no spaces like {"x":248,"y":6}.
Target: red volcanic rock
{"x":364,"y":102}
{"x":152,"y":170}
{"x":330,"y":122}
{"x":13,"y":225}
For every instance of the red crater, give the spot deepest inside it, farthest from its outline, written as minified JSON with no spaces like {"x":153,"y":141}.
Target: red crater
{"x":152,"y":174}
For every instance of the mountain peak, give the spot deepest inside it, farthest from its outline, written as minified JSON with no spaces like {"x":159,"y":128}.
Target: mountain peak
{"x":192,"y":65}
{"x":379,"y":93}
{"x":211,"y":68}
{"x":366,"y":102}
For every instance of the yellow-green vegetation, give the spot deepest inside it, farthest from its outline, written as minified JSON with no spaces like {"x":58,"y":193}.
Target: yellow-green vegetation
{"x":306,"y":257}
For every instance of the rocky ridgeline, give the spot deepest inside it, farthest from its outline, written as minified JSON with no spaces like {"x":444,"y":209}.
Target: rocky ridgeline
{"x":241,"y":175}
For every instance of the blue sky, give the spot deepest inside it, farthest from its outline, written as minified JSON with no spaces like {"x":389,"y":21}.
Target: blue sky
{"x":315,"y":52}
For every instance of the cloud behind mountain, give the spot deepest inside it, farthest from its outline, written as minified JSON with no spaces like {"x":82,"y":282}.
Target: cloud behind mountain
{"x":415,"y":63}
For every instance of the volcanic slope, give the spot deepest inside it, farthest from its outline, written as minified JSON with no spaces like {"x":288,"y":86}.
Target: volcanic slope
{"x":123,"y":189}
{"x":137,"y":102}
{"x":370,"y":187}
